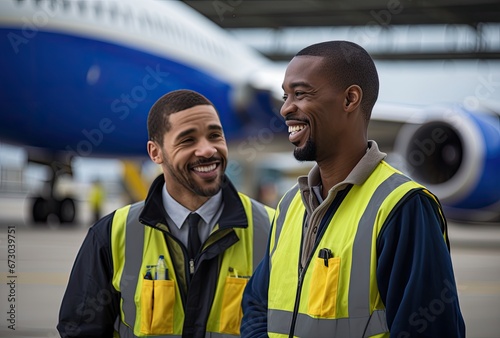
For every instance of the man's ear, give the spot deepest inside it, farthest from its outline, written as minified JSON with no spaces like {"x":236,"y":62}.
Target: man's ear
{"x":154,"y":151}
{"x":353,"y":96}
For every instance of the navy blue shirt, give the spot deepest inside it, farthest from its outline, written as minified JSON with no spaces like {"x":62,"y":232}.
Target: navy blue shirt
{"x":414,"y":275}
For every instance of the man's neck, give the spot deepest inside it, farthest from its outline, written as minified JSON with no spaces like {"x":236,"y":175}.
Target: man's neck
{"x":335,"y":170}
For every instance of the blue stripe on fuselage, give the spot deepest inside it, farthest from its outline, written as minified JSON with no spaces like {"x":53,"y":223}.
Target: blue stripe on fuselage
{"x":91,"y":97}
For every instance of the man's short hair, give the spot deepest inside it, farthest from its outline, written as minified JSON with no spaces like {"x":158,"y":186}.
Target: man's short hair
{"x":172,"y":102}
{"x":347,"y":63}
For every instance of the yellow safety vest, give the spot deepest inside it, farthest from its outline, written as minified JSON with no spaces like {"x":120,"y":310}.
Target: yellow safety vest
{"x":337,"y":296}
{"x":154,"y":307}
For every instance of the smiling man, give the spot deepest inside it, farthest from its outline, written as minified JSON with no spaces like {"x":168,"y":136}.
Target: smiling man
{"x":211,"y":238}
{"x":357,"y":248}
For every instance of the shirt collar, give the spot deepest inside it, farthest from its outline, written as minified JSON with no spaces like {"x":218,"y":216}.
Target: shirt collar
{"x":178,"y":213}
{"x":357,"y":176}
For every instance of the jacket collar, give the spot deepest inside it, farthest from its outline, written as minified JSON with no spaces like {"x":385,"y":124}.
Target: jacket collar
{"x":357,"y":176}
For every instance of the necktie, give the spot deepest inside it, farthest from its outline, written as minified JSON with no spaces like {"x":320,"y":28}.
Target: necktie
{"x":194,"y":242}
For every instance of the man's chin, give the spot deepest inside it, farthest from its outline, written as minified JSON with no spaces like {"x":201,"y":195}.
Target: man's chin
{"x":209,"y":189}
{"x":303,"y":156}
{"x":305,"y":153}
{"x":209,"y":192}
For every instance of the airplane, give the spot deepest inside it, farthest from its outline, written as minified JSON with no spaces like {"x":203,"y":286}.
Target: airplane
{"x":78,"y":79}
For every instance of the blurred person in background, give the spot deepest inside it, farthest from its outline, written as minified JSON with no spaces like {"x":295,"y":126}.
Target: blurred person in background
{"x":97,"y":196}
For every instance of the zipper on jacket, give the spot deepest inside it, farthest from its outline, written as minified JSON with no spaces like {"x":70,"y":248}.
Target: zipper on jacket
{"x":299,"y":287}
{"x":297,"y":302}
{"x":191,"y":266}
{"x":302,"y":272}
{"x":186,"y":267}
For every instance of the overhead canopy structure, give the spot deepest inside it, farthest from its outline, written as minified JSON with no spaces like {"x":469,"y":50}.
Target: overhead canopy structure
{"x":475,"y":21}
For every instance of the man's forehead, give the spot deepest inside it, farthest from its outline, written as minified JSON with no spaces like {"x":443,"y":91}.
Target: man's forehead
{"x":194,"y":118}
{"x":306,"y":59}
{"x":304,"y":64}
{"x":207,"y":111}
{"x":302,"y":69}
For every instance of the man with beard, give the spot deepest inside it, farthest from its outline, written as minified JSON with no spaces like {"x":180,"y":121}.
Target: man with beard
{"x":357,"y":249}
{"x":209,"y":237}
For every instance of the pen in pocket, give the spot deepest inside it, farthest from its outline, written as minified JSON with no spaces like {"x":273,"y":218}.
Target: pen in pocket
{"x":234,"y":273}
{"x":325,"y":254}
{"x":148,"y":274}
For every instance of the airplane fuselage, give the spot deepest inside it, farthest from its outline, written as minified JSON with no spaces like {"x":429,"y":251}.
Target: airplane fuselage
{"x":82,"y":80}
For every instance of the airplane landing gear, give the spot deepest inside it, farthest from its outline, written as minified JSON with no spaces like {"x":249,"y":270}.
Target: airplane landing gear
{"x":67,"y":210}
{"x":50,"y":203}
{"x":64,"y":209}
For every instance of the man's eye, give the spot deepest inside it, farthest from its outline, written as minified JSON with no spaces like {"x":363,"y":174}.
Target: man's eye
{"x":285,"y":97}
{"x":299,"y":93}
{"x":186,"y":140}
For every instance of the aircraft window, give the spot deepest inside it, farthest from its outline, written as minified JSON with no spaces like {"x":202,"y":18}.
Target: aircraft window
{"x":52,"y":3}
{"x":113,"y":12}
{"x":82,"y":6}
{"x":98,"y":9}
{"x":175,"y":31}
{"x":66,"y":4}
{"x":205,"y":45}
{"x":167,"y":28}
{"x":55,"y":3}
{"x":145,"y":21}
{"x":159,"y":25}
{"x":127,"y":16}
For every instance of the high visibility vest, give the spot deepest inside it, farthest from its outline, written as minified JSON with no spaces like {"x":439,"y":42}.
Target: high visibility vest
{"x":335,"y":296}
{"x":154,"y":307}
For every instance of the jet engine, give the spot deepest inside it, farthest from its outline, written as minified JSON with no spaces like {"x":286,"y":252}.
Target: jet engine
{"x":455,"y":153}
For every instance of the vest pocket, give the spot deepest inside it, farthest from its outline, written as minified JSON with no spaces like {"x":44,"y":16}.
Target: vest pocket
{"x":231,"y":313}
{"x":323,"y":288}
{"x":157,"y":306}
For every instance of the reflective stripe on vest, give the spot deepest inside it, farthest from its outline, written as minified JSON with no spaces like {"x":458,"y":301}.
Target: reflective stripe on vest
{"x":134,"y":234}
{"x":342,"y":327}
{"x":261,"y":216}
{"x":283,"y":207}
{"x":129,"y":334}
{"x":360,"y":322}
{"x":129,"y":257}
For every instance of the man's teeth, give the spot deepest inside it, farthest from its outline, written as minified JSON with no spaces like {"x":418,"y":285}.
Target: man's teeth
{"x":205,"y":168}
{"x":296,"y":128}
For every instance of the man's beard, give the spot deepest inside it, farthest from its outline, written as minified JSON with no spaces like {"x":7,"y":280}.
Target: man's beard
{"x":307,"y":153}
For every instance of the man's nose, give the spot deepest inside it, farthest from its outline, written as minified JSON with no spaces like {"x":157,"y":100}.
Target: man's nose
{"x":287,"y":108}
{"x":205,"y":149}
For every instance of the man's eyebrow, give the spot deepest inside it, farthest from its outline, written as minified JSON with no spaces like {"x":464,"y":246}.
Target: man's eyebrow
{"x":215,"y":127}
{"x":298,"y":84}
{"x":185,"y":133}
{"x":192,"y":130}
